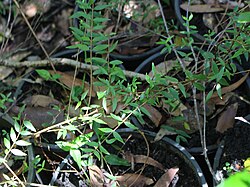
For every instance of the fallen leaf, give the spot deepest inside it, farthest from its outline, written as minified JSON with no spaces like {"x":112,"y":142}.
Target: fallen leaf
{"x":39,"y":116}
{"x":134,"y":180}
{"x":142,"y":159}
{"x":5,"y":72}
{"x":227,"y":89}
{"x":41,"y":100}
{"x":161,"y":133}
{"x":232,"y":86}
{"x":178,"y":111}
{"x":67,"y":80}
{"x":156,"y":117}
{"x":227,"y":118}
{"x":96,"y":176}
{"x":163,"y":67}
{"x":166,"y":178}
{"x":202,"y":8}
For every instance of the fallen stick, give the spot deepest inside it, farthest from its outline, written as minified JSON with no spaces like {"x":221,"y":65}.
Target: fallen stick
{"x":65,"y":61}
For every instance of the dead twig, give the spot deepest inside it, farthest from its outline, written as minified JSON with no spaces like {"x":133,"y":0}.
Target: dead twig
{"x":65,"y":61}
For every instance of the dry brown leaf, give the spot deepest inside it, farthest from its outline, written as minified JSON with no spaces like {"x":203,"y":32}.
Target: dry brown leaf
{"x":231,"y":87}
{"x":227,"y":118}
{"x":39,"y":115}
{"x":166,"y":178}
{"x":134,"y":180}
{"x":163,"y":67}
{"x":203,"y":8}
{"x":161,"y":133}
{"x":156,"y":116}
{"x":96,"y":176}
{"x":142,"y":159}
{"x":179,"y":110}
{"x":67,"y":80}
{"x":227,"y":89}
{"x":41,"y":100}
{"x":5,"y":72}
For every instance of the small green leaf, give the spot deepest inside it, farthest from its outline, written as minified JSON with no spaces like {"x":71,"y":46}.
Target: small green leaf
{"x":145,"y":111}
{"x":218,"y":88}
{"x":100,"y":47}
{"x":12,"y":135}
{"x":6,"y":143}
{"x":118,"y":137}
{"x":183,"y":90}
{"x":106,"y":130}
{"x":103,"y":150}
{"x":100,"y":95}
{"x":115,"y":62}
{"x":100,"y":121}
{"x":244,"y":17}
{"x":18,"y":152}
{"x":100,"y":20}
{"x":209,"y":95}
{"x":199,"y":86}
{"x":112,"y":140}
{"x":82,"y":47}
{"x":117,"y":118}
{"x":114,"y":104}
{"x":76,"y":155}
{"x":16,"y":126}
{"x":117,"y":161}
{"x":44,"y":74}
{"x":101,"y":7}
{"x":22,"y":143}
{"x":29,"y":126}
{"x":130,"y":125}
{"x":186,"y":126}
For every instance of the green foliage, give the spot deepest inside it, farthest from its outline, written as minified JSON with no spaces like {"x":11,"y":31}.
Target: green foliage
{"x":240,"y":179}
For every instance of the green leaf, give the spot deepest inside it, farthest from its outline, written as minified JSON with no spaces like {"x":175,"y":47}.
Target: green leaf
{"x":110,"y":141}
{"x":18,"y":152}
{"x":115,"y":160}
{"x":17,"y":126}
{"x":97,"y":120}
{"x":100,"y":20}
{"x":103,"y":150}
{"x":115,"y":62}
{"x":12,"y":135}
{"x":29,"y":125}
{"x":100,"y":95}
{"x":99,"y":61}
{"x":22,"y":143}
{"x":44,"y":74}
{"x":6,"y":143}
{"x":145,"y":111}
{"x":76,"y":155}
{"x":171,"y":79}
{"x":81,"y":14}
{"x":209,"y":95}
{"x":106,"y":130}
{"x":130,"y":125}
{"x":239,"y":179}
{"x":100,"y":71}
{"x":114,"y":104}
{"x":117,"y":118}
{"x":2,"y":160}
{"x":218,"y":88}
{"x":183,"y":90}
{"x":244,"y":17}
{"x":101,"y":7}
{"x":100,"y":47}
{"x":118,"y":137}
{"x":82,"y":47}
{"x":199,"y":86}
